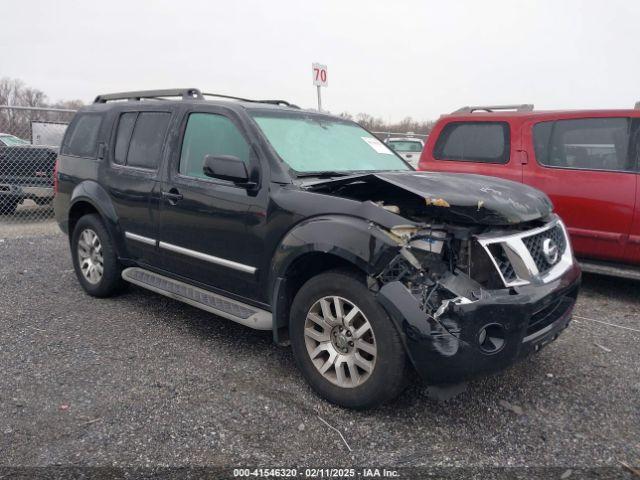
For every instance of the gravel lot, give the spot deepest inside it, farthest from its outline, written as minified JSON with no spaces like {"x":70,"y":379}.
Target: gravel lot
{"x":144,"y":380}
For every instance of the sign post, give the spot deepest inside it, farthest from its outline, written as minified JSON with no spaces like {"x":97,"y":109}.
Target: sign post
{"x":319,"y":80}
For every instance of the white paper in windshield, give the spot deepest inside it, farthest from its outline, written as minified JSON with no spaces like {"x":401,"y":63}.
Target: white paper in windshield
{"x":377,"y":145}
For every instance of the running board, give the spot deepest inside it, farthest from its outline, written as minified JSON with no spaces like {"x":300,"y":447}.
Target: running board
{"x":602,"y":268}
{"x":211,"y":302}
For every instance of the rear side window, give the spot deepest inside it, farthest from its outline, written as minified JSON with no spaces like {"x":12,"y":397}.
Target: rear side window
{"x":486,"y":142}
{"x":82,"y":138}
{"x":140,"y":138}
{"x":210,"y":134}
{"x":123,"y":136}
{"x":585,"y":143}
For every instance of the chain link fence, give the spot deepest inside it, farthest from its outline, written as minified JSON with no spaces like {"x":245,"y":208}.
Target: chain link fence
{"x":30,"y":138}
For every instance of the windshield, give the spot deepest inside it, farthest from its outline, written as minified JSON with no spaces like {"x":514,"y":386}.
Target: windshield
{"x":405,"y":145}
{"x":314,"y":143}
{"x":11,"y":141}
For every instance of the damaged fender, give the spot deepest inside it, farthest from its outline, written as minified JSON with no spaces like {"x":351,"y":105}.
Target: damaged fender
{"x":358,"y":241}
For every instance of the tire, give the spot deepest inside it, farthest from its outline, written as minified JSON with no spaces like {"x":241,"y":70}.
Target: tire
{"x":103,"y":280}
{"x":385,"y":375}
{"x":8,"y":207}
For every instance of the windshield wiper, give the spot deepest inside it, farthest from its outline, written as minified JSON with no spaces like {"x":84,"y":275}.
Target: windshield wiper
{"x":323,"y":174}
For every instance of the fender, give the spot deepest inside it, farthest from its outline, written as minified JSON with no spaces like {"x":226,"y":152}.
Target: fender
{"x":91,"y":192}
{"x":358,"y":241}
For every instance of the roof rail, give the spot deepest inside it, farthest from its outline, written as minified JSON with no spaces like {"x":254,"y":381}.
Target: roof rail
{"x":277,"y":102}
{"x":185,"y":93}
{"x":525,"y":107}
{"x":272,"y":102}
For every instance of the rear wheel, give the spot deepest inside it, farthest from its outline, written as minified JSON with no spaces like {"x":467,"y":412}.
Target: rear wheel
{"x":344,"y":342}
{"x":94,"y":258}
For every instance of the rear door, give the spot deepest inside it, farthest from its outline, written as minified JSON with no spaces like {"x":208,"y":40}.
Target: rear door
{"x":585,"y":167}
{"x":132,"y":178}
{"x":483,"y":147}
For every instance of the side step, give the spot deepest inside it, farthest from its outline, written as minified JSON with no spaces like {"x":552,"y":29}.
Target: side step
{"x":211,"y":302}
{"x":615,"y":270}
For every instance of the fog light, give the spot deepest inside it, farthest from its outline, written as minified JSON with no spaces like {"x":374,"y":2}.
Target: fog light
{"x":491,"y":338}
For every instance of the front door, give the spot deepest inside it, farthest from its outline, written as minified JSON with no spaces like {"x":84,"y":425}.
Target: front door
{"x":584,"y":165}
{"x":204,"y":221}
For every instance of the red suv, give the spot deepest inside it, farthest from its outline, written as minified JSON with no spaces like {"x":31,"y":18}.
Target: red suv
{"x":586,"y":161}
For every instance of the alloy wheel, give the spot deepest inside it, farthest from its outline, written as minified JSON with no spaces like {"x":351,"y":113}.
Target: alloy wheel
{"x":90,"y":256}
{"x":340,"y":341}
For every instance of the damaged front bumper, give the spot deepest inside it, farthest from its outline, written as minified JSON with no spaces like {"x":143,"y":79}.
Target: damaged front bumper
{"x":483,"y":336}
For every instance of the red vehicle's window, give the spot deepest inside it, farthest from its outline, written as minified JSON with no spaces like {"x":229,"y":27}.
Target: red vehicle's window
{"x":584,"y":143}
{"x":486,"y":142}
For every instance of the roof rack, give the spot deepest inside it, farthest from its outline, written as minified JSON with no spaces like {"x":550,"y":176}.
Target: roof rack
{"x":636,"y":106}
{"x":184,"y":93}
{"x":525,"y":107}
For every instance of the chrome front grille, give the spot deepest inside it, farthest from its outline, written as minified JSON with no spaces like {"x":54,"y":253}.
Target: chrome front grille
{"x":502,"y":262}
{"x":541,"y":254}
{"x":535,"y":245}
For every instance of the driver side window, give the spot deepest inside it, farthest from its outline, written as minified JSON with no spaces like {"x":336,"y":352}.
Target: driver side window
{"x":210,"y":134}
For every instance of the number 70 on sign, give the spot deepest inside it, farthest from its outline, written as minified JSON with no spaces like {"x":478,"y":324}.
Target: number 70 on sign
{"x":320,"y":75}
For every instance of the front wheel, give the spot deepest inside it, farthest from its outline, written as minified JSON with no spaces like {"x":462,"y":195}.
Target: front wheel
{"x":345,"y":343}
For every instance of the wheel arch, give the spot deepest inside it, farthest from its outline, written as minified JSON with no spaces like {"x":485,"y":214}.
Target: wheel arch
{"x":89,"y":197}
{"x":317,"y":245}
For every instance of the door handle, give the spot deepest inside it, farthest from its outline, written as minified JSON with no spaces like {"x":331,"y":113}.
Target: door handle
{"x":524,"y":157}
{"x":173,"y":196}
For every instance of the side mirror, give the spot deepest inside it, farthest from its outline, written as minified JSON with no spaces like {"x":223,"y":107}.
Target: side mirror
{"x":226,"y":167}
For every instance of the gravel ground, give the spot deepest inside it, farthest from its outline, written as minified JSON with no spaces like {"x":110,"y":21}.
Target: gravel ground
{"x":147,"y":381}
{"x":29,"y":220}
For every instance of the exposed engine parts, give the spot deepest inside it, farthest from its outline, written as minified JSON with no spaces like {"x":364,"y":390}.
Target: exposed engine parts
{"x":431,"y":264}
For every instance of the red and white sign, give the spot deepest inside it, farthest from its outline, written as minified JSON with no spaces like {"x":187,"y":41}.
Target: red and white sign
{"x":320,"y":75}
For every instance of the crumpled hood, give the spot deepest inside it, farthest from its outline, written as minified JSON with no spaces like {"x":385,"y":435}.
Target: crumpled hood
{"x":451,"y":197}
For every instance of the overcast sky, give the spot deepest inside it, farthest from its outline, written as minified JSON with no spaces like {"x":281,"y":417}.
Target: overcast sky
{"x":389,"y":58}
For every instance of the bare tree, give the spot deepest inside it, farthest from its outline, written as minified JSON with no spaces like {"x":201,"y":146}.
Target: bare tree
{"x":32,"y":97}
{"x":14,"y":93}
{"x":10,"y":89}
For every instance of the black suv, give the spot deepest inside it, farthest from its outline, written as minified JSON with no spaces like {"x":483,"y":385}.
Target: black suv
{"x":305,"y":224}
